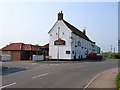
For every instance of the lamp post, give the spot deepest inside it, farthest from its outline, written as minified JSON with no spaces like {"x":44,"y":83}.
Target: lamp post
{"x":37,"y":51}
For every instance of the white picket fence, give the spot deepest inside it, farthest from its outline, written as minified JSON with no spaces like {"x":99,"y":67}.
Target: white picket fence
{"x":5,"y":58}
{"x":37,"y":57}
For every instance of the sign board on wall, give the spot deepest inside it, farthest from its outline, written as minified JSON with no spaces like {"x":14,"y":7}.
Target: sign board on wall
{"x":59,"y":42}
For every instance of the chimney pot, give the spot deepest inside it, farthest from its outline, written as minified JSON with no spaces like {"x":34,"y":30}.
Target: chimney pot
{"x":60,"y":16}
{"x":84,"y":31}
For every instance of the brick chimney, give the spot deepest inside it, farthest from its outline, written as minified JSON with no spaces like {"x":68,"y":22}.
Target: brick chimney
{"x":60,"y":16}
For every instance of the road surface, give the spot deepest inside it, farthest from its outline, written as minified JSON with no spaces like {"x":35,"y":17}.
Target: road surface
{"x":53,"y":75}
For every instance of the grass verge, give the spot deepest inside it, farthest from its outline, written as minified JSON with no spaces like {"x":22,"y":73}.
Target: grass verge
{"x":118,"y":82}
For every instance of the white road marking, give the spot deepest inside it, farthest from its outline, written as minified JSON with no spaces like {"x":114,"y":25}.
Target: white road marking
{"x":80,"y":66}
{"x":92,"y":80}
{"x":7,"y":85}
{"x":86,"y":62}
{"x":40,"y":75}
{"x":34,"y":63}
{"x":54,"y":64}
{"x":35,"y":77}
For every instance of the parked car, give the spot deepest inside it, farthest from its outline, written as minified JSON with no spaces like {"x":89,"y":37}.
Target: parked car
{"x":99,"y":56}
{"x":95,"y":56}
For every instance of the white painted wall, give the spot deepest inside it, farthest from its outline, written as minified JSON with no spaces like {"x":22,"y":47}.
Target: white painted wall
{"x":65,"y":34}
{"x":79,"y":50}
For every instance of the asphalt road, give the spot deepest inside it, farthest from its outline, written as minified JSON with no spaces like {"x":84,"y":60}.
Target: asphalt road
{"x":53,"y":75}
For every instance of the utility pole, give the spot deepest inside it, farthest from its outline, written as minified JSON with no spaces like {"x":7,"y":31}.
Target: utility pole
{"x":114,"y":50}
{"x":119,"y":46}
{"x":111,"y":51}
{"x":111,"y":48}
{"x":58,"y":45}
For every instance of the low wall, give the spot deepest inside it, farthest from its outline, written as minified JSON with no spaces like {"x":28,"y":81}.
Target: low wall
{"x":37,"y":57}
{"x":5,"y":58}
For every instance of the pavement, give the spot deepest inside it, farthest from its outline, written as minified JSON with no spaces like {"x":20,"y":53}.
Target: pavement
{"x":105,"y":79}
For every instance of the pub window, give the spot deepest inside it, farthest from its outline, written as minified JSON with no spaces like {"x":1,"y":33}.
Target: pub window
{"x":75,"y":45}
{"x":67,"y":52}
{"x":72,"y":52}
{"x":79,"y":44}
{"x":71,"y":37}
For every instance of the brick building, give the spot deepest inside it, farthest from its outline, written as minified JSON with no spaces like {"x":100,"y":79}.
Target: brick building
{"x":21,"y":51}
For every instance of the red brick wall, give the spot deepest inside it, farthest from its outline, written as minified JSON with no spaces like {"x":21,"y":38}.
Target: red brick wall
{"x":15,"y":55}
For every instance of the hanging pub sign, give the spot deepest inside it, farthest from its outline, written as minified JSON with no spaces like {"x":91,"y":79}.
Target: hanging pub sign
{"x":59,"y":42}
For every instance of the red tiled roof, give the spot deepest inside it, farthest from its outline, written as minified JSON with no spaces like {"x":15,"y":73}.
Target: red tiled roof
{"x":26,"y":47}
{"x":76,"y":31}
{"x":46,"y":46}
{"x":13,"y":46}
{"x":20,"y":46}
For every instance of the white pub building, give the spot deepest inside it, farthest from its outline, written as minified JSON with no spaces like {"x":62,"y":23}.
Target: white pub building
{"x":66,"y":42}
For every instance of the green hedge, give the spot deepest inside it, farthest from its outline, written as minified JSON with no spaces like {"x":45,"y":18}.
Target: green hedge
{"x":111,"y":55}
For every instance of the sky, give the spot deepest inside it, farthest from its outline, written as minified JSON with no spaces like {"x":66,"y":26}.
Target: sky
{"x":119,"y":21}
{"x":29,"y":22}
